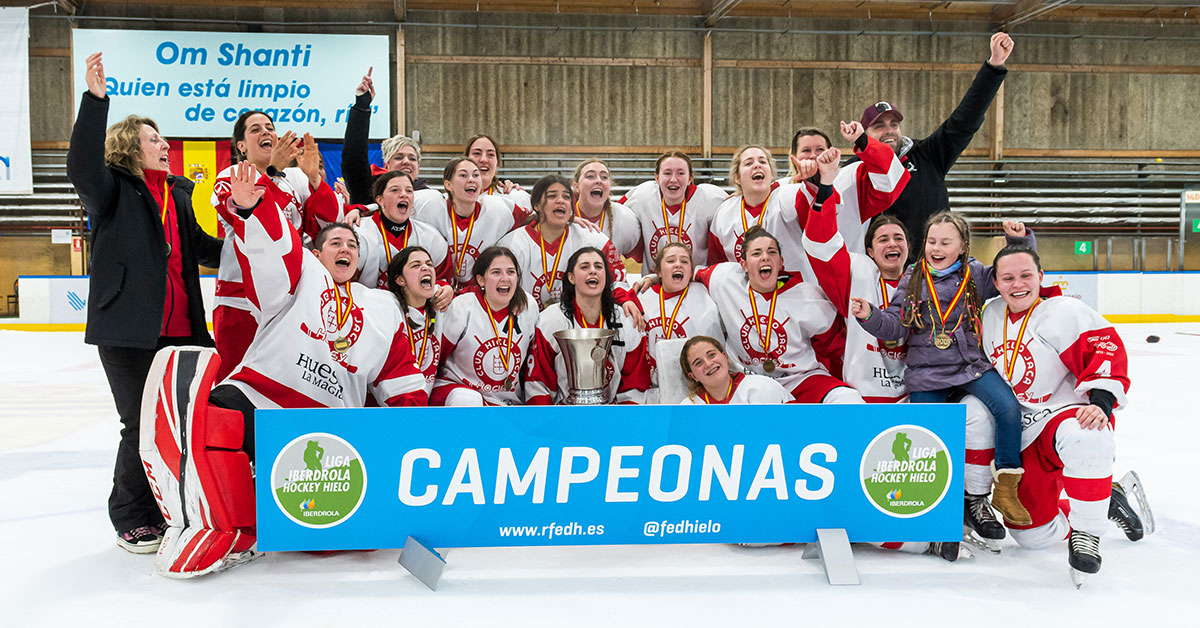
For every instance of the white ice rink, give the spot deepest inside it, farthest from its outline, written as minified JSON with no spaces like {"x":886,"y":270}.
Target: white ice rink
{"x":62,"y":567}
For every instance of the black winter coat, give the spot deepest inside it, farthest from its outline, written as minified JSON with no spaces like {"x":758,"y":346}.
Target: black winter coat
{"x":128,"y":282}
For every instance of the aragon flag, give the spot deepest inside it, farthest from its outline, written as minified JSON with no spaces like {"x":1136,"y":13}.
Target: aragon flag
{"x":201,"y":161}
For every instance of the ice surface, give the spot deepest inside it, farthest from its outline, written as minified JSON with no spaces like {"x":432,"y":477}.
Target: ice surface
{"x":58,"y":435}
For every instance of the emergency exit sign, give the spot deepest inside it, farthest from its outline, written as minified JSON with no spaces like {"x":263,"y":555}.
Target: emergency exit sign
{"x":1084,"y":247}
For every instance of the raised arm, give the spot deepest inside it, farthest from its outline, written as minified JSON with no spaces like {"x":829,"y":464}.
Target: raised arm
{"x":356,"y":168}
{"x":953,"y":136}
{"x":881,"y":177}
{"x":85,"y":157}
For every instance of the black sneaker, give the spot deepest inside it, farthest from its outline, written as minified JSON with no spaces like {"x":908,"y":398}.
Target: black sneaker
{"x":143,"y":540}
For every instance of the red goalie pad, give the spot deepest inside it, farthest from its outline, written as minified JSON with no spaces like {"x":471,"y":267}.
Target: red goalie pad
{"x":192,"y":456}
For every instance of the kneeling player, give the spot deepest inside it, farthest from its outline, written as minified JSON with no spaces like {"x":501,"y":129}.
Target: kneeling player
{"x":322,"y":342}
{"x":1068,"y":369}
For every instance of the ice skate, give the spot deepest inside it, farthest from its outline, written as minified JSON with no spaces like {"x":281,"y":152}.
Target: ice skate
{"x":950,"y":551}
{"x":980,"y":527}
{"x":1084,"y":556}
{"x":1129,"y":509}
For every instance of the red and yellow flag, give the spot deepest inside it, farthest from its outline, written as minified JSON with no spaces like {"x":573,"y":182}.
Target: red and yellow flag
{"x":200,"y":161}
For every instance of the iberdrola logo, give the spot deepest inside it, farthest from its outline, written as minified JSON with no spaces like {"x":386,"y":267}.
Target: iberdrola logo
{"x":906,"y":471}
{"x":318,"y":480}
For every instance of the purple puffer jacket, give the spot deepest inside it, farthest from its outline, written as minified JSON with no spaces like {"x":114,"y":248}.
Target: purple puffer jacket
{"x":930,"y":368}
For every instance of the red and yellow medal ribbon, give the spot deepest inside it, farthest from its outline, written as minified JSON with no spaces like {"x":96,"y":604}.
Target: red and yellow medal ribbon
{"x":746,"y":225}
{"x":669,"y":325}
{"x":764,"y":339}
{"x":342,"y":315}
{"x":962,"y":288}
{"x":883,"y":292}
{"x":412,"y":342}
{"x":506,"y":351}
{"x":557,"y":258}
{"x":667,"y":220}
{"x":1010,"y":364}
{"x":728,"y":393}
{"x":579,"y":215}
{"x":387,"y":250}
{"x":462,"y":252}
{"x":583,"y":319}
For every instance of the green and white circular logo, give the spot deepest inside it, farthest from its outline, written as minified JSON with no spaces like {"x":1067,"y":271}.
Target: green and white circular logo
{"x":318,"y":480}
{"x":906,"y":471}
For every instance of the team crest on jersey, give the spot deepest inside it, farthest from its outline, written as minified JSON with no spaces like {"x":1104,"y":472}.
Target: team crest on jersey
{"x":489,"y":362}
{"x":737,"y":248}
{"x":329,"y":332}
{"x":752,"y":343}
{"x":669,"y":234}
{"x":539,"y":285}
{"x":1024,"y":373}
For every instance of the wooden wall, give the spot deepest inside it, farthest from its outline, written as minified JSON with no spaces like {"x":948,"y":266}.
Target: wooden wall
{"x":618,"y":87}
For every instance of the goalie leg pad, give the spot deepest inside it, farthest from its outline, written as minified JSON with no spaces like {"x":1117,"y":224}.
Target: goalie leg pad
{"x":199,"y":475}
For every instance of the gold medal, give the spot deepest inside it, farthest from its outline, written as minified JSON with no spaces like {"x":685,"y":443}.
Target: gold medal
{"x":942,"y":340}
{"x":509,"y":384}
{"x":769,"y":366}
{"x":341,"y":345}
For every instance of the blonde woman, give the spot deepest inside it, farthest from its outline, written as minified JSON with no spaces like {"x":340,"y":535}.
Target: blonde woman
{"x":144,"y":283}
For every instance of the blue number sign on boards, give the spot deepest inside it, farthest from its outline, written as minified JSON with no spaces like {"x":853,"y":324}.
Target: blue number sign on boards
{"x":603,"y":475}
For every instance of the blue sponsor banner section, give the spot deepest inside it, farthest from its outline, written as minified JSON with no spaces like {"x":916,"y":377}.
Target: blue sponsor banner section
{"x":478,"y":477}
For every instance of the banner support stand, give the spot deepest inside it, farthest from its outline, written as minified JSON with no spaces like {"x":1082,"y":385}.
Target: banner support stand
{"x":423,"y":562}
{"x":833,"y":548}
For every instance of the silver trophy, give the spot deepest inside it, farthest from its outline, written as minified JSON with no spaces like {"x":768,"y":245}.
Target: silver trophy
{"x":584,"y":351}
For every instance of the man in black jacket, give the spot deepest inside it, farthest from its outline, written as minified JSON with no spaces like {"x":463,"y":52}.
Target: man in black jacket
{"x":928,"y":160}
{"x":144,"y":289}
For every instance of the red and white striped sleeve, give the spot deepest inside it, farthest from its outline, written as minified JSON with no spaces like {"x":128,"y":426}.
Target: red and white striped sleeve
{"x":1089,"y":346}
{"x":400,"y":382}
{"x":879,"y":180}
{"x":827,"y":254}
{"x":268,"y":251}
{"x":541,"y":380}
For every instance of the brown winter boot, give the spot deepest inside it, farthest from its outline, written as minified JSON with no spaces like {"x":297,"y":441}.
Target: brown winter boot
{"x":1004,"y":496}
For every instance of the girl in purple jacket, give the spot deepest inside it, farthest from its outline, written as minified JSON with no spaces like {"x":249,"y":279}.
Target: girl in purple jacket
{"x":938,"y":306}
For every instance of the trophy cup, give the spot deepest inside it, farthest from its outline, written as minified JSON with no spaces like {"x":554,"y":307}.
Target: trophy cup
{"x":584,"y":351}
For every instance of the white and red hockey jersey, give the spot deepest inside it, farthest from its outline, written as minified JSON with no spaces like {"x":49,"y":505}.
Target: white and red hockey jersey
{"x":747,"y":390}
{"x":1067,"y":350}
{"x":425,"y":339}
{"x":306,"y":210}
{"x":468,"y":236}
{"x":873,"y":367}
{"x":623,"y":229}
{"x":519,"y":202}
{"x":688,"y":222}
{"x":483,"y":351}
{"x":862,"y":190}
{"x":374,"y":256}
{"x":319,"y":344}
{"x":802,"y":337}
{"x":688,"y":313}
{"x":536,"y":270}
{"x":626,"y":370}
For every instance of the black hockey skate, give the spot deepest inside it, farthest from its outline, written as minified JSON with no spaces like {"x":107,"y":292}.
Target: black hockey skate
{"x":1129,"y":509}
{"x":980,"y":527}
{"x":1084,"y":556}
{"x":950,"y":551}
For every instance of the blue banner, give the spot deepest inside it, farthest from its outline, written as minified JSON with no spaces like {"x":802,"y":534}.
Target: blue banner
{"x":603,"y":475}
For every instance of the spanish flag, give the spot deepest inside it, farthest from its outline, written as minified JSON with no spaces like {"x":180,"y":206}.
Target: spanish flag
{"x":201,"y":161}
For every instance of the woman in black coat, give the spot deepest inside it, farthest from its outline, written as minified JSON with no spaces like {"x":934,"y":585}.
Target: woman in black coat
{"x":144,"y":290}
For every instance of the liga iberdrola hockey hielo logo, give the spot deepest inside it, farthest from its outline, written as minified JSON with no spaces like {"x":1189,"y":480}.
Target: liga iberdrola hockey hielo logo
{"x":318,"y":480}
{"x":906,"y":471}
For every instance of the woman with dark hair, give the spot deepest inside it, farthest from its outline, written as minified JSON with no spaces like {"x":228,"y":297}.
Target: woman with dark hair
{"x":485,"y":152}
{"x":411,"y":276}
{"x":307,"y":202}
{"x":779,"y":325}
{"x":543,"y":246}
{"x":144,"y":285}
{"x":588,"y":302}
{"x":385,"y":233}
{"x":485,"y":336}
{"x":672,"y":208}
{"x":705,"y":365}
{"x":468,"y":221}
{"x":1068,"y":368}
